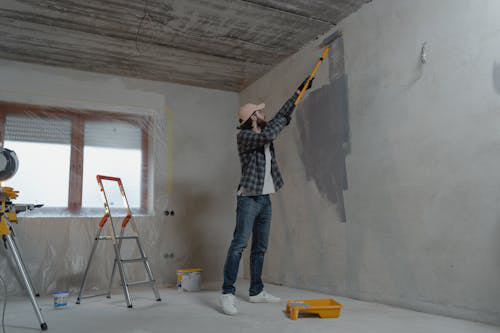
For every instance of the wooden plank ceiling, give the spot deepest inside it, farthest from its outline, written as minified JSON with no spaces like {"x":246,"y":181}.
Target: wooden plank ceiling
{"x":221,"y":44}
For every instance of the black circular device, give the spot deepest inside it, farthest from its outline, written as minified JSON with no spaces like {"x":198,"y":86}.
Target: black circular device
{"x":8,"y":163}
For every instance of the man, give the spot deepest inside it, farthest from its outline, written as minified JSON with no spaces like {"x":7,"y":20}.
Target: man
{"x":260,"y":177}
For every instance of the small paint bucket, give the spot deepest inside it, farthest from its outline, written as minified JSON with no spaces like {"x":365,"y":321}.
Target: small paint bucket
{"x":60,"y":299}
{"x":189,"y":279}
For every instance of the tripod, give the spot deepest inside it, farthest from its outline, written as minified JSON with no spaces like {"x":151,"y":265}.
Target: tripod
{"x":8,"y":214}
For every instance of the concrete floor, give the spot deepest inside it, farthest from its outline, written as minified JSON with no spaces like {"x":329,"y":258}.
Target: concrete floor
{"x":198,"y":312}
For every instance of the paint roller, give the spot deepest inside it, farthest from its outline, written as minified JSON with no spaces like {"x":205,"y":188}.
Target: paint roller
{"x":326,"y":44}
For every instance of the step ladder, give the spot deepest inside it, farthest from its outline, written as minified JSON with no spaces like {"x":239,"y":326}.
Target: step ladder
{"x":117,"y":245}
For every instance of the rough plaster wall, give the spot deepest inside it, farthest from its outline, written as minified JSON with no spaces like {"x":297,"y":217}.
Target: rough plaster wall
{"x":202,"y":194}
{"x":423,"y":198}
{"x":422,"y":205}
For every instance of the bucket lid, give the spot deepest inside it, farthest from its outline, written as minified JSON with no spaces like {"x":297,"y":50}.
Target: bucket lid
{"x":60,"y":292}
{"x":189,"y":270}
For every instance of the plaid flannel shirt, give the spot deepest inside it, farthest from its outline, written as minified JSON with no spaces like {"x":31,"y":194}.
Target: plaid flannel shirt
{"x":252,"y":155}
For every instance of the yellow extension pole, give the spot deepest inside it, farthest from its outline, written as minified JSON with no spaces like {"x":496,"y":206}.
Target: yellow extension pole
{"x":313,"y":73}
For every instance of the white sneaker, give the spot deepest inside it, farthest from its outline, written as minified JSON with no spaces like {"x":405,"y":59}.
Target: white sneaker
{"x":264,"y":297}
{"x":228,"y":304}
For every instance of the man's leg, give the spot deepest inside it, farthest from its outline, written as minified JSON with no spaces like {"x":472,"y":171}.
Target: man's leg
{"x":260,"y":241}
{"x":246,"y":212}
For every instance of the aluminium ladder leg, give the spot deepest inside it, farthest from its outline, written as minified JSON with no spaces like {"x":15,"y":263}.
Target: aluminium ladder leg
{"x":148,"y":270}
{"x":98,"y":238}
{"x":143,"y":259}
{"x":121,"y":270}
{"x":151,"y":281}
{"x":85,"y":275}
{"x":110,"y":286}
{"x":25,"y":278}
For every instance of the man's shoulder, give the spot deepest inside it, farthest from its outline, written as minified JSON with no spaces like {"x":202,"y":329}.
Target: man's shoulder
{"x":244,"y":133}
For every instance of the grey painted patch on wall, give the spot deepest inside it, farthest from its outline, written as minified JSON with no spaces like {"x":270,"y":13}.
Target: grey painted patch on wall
{"x":496,"y":77}
{"x":325,"y":140}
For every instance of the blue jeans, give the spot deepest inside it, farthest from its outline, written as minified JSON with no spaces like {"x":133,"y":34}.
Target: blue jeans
{"x":253,"y":215}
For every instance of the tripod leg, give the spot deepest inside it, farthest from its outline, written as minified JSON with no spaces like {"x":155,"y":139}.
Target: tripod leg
{"x":24,"y":275}
{"x":30,"y":280}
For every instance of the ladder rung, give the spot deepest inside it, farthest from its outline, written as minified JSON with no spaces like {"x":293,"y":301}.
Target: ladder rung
{"x":117,"y":237}
{"x":127,"y":261}
{"x":140,"y":282}
{"x":96,"y":295}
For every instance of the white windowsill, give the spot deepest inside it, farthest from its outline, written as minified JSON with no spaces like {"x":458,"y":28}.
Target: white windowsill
{"x":63,"y":212}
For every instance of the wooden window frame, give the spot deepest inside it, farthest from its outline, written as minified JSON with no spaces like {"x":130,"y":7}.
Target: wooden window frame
{"x":78,"y":118}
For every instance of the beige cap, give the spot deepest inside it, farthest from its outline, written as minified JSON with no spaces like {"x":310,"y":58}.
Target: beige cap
{"x":247,"y":110}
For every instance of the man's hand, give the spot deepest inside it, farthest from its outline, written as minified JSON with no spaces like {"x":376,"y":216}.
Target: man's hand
{"x":299,"y":89}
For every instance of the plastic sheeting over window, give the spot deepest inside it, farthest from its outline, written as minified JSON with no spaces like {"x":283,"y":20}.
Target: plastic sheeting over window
{"x":73,"y":146}
{"x":43,"y":175}
{"x":37,"y":129}
{"x":62,"y":150}
{"x":44,"y":146}
{"x":113,"y":134}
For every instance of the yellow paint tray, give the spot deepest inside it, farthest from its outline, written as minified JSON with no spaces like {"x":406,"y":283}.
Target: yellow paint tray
{"x":324,"y":308}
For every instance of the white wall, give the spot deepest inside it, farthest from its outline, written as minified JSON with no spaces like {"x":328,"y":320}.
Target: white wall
{"x":423,"y":221}
{"x":204,"y":175}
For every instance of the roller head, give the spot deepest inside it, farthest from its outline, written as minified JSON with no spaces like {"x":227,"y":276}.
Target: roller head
{"x":330,"y":39}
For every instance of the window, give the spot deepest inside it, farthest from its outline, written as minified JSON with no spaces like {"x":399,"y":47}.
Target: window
{"x":44,"y":146}
{"x":112,"y":149}
{"x":61,"y":151}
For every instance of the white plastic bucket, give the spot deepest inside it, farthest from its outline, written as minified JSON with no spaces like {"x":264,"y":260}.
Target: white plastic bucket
{"x":60,"y":299}
{"x":189,"y":279}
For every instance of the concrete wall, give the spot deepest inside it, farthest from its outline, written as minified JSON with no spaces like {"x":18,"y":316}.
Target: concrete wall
{"x":204,"y":175}
{"x":422,"y":201}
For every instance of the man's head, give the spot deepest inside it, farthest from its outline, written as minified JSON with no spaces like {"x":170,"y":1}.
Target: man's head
{"x":251,"y":115}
